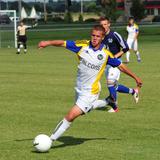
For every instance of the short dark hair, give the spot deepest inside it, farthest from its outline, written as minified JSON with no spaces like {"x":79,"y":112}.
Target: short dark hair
{"x":21,"y":21}
{"x":104,"y":19}
{"x":99,"y":28}
{"x":131,"y":18}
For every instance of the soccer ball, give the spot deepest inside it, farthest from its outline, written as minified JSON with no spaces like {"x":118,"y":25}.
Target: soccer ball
{"x":21,"y":46}
{"x":42,"y":143}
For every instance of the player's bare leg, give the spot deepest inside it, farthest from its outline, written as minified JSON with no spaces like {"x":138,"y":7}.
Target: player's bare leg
{"x":66,"y":122}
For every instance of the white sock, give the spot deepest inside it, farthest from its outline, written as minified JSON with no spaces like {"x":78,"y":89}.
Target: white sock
{"x":130,"y":90}
{"x":60,"y":129}
{"x":100,"y":104}
{"x":18,"y":50}
{"x":128,"y":56}
{"x":138,"y":55}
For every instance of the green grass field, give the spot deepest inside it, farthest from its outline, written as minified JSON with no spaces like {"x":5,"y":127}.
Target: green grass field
{"x":37,"y":89}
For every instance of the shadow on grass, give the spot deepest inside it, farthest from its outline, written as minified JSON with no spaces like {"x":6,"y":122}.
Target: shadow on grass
{"x":69,"y":141}
{"x":106,"y":109}
{"x":22,"y":140}
{"x":73,"y":141}
{"x":129,"y":108}
{"x":36,"y":152}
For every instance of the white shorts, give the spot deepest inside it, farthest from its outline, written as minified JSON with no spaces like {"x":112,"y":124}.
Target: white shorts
{"x":132,"y":44}
{"x":112,"y":73}
{"x":85,"y":100}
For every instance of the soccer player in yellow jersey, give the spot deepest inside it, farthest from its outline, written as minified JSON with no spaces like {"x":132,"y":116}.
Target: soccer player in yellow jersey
{"x":132,"y":40}
{"x":93,"y":58}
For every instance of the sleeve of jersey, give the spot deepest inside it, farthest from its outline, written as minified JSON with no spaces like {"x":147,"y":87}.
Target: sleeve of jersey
{"x":136,"y":28}
{"x":114,"y":62}
{"x":71,"y":45}
{"x":121,"y":42}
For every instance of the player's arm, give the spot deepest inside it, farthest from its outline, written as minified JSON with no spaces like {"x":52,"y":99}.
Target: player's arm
{"x":123,"y":68}
{"x":119,"y":54}
{"x":114,"y":62}
{"x":31,"y":26}
{"x":57,"y":43}
{"x":136,"y":32}
{"x":122,"y":43}
{"x":136,"y":35}
{"x":70,"y":45}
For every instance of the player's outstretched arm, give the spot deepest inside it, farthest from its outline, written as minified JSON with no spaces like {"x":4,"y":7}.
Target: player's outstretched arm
{"x":127,"y":71}
{"x":57,"y":43}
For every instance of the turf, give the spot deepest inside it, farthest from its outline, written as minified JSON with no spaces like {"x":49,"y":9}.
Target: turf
{"x":36,"y":91}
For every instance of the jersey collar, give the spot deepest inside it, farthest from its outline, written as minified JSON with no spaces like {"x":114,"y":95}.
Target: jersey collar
{"x":100,"y":48}
{"x":107,"y":33}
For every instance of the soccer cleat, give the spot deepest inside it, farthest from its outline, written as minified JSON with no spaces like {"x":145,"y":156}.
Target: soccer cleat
{"x":139,"y":60}
{"x":17,"y":52}
{"x":136,"y":95}
{"x":25,"y":51}
{"x":113,"y":111}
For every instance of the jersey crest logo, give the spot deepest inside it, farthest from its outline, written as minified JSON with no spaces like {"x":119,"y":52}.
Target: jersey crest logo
{"x":86,"y":51}
{"x":100,"y":57}
{"x":110,"y":40}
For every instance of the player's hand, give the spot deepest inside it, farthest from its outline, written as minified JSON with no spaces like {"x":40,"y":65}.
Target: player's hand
{"x":43,"y":44}
{"x":139,"y":82}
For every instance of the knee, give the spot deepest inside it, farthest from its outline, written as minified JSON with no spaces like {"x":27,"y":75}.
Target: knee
{"x":111,"y":82}
{"x":70,"y":117}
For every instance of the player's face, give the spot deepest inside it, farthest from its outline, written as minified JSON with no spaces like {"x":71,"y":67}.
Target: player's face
{"x":131,"y":21}
{"x":96,"y":38}
{"x":21,"y":24}
{"x":106,"y":25}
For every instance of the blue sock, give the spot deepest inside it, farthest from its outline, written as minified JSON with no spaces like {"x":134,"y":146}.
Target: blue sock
{"x":124,"y":89}
{"x":113,"y":95}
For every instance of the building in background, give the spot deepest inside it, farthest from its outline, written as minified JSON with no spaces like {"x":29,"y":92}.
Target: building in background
{"x":152,"y":6}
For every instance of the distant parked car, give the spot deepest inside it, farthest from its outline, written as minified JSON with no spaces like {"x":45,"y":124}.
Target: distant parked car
{"x":4,"y":19}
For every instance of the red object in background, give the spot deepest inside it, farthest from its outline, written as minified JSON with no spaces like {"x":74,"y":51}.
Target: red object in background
{"x":149,"y":4}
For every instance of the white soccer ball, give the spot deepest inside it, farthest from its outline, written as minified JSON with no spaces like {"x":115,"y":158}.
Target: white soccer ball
{"x":42,"y":143}
{"x":21,"y":46}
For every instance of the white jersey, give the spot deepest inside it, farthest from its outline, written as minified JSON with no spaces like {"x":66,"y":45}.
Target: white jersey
{"x":132,"y":30}
{"x":91,"y":66}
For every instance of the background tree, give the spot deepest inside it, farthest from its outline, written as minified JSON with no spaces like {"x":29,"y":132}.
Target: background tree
{"x":137,"y":9}
{"x":109,"y":8}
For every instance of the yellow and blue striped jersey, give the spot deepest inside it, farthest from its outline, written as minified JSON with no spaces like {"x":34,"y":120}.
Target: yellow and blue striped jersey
{"x":132,"y":30}
{"x":91,"y":65}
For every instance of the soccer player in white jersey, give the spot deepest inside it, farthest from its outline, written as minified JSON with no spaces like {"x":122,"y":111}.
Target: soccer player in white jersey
{"x":132,"y":40}
{"x":93,"y":58}
{"x":22,"y":37}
